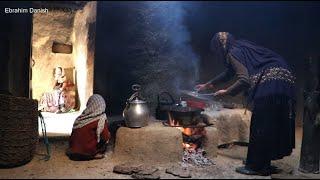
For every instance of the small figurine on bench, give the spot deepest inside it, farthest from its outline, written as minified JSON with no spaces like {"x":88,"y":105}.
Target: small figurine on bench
{"x":54,"y":101}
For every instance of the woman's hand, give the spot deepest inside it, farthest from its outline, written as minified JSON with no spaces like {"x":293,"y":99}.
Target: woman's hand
{"x":220,"y":92}
{"x":201,"y":87}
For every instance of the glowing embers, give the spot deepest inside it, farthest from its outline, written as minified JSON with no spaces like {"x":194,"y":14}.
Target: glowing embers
{"x":195,"y":157}
{"x":194,"y":138}
{"x":194,"y":154}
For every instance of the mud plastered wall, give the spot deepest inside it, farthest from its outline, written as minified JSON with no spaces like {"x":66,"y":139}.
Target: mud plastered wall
{"x":68,"y":27}
{"x":49,"y":27}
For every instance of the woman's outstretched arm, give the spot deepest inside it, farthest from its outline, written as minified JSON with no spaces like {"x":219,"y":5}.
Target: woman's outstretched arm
{"x":241,"y":73}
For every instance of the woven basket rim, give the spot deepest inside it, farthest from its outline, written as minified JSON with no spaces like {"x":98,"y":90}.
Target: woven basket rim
{"x":17,"y":97}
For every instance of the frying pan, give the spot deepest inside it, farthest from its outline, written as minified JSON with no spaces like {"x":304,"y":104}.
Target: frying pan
{"x":196,"y":94}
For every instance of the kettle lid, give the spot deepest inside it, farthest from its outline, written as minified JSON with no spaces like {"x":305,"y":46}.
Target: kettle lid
{"x":137,"y":101}
{"x":136,"y":98}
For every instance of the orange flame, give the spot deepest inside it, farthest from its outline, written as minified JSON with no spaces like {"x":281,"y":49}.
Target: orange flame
{"x":189,"y":146}
{"x":188,"y":131}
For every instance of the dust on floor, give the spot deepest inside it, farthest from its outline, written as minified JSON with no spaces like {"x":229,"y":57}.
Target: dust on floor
{"x":59,"y":166}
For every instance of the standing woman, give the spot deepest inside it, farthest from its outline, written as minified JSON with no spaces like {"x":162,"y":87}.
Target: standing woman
{"x":270,"y":86}
{"x":90,"y":133}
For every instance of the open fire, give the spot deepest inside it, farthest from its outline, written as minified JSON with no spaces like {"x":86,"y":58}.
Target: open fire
{"x":194,"y":137}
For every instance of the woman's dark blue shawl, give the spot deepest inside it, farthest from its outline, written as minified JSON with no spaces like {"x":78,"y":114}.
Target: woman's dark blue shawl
{"x":255,"y":58}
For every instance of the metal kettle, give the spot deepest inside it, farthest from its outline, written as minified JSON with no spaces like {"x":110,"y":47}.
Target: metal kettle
{"x":136,"y":113}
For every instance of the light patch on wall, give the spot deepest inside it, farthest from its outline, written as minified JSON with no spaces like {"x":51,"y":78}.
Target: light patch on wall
{"x":81,"y":54}
{"x":81,"y":66}
{"x":40,"y":41}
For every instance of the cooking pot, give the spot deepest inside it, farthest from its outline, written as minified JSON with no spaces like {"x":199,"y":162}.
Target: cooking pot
{"x":184,"y":116}
{"x":136,"y":113}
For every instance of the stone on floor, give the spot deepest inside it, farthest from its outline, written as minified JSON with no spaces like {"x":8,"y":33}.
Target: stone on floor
{"x":179,"y":171}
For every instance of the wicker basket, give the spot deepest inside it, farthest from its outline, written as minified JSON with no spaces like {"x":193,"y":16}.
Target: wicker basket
{"x":18,"y":130}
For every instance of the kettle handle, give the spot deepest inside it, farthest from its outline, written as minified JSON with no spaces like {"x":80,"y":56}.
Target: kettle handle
{"x":136,"y":87}
{"x":134,"y":95}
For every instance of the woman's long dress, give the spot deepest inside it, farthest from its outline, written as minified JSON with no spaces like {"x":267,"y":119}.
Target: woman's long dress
{"x":272,"y":130}
{"x":83,"y":143}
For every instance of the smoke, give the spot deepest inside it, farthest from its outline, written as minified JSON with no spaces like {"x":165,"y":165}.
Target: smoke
{"x":164,"y":59}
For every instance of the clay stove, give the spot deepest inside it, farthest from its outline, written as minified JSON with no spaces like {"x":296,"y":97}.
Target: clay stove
{"x":192,"y":124}
{"x":170,"y":140}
